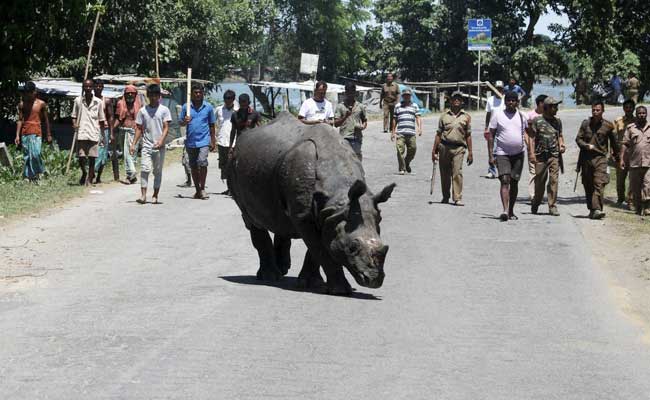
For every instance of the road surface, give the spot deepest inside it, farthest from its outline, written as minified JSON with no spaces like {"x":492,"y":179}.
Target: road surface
{"x":123,"y":301}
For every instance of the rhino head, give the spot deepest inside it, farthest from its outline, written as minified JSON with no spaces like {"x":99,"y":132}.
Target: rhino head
{"x":350,"y":232}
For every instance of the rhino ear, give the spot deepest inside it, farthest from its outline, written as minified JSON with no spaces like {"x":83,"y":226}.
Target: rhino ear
{"x":385,"y":194}
{"x":357,"y":190}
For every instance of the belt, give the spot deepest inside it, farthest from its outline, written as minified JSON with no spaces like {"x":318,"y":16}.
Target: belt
{"x":452,"y":145}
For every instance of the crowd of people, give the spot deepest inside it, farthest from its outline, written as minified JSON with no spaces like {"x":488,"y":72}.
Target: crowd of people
{"x":510,"y":135}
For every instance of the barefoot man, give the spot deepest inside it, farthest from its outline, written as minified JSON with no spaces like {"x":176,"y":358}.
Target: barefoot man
{"x":31,"y":112}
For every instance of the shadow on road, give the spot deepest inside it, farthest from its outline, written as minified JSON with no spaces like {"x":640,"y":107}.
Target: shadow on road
{"x":288,"y":283}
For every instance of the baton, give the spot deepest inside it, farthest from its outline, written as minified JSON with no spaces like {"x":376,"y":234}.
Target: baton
{"x":575,"y":183}
{"x":433,"y":176}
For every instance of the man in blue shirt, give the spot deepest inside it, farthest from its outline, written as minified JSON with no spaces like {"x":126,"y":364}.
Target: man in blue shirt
{"x":200,"y":139}
{"x":514,"y":87}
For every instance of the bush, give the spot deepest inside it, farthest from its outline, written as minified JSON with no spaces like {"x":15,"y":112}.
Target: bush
{"x":53,"y":158}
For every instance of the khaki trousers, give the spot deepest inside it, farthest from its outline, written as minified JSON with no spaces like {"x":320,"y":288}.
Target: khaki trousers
{"x":406,"y":147}
{"x":621,"y":175}
{"x":546,"y":170}
{"x":451,"y":171}
{"x":594,"y":180}
{"x":389,"y":109}
{"x":531,"y":178}
{"x":640,"y":187}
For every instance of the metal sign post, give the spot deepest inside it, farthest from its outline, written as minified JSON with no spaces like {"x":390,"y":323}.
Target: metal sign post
{"x":479,"y":37}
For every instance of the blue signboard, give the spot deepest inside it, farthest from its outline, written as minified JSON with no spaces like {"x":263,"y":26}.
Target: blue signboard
{"x":479,"y":34}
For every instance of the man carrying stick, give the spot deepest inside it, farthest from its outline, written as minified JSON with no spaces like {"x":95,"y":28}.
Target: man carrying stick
{"x":201,"y":137}
{"x":88,"y":120}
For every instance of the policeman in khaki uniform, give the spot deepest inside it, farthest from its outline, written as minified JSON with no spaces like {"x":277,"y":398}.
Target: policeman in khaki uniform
{"x":454,"y":135}
{"x":635,"y":156}
{"x":592,"y":139}
{"x":389,"y":96}
{"x":544,"y":149}
{"x":620,"y":124}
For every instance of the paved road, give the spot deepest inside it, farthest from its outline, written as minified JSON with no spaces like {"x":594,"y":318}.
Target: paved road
{"x":153,"y":302}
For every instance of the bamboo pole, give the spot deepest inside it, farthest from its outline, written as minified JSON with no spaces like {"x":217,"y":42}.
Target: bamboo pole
{"x":157,"y":68}
{"x":189,"y":89}
{"x":90,"y":52}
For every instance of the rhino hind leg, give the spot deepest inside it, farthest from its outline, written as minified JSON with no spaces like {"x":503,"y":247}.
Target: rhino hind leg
{"x":282,"y":247}
{"x":310,"y":277}
{"x":268,"y":270}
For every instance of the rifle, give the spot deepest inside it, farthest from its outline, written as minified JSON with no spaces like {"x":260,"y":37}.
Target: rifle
{"x":578,"y":167}
{"x":433,"y":177}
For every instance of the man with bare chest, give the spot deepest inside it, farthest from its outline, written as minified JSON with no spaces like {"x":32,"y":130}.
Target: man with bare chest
{"x":32,"y":112}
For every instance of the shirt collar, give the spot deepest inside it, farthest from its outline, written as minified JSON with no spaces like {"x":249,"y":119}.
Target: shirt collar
{"x":461,"y":112}
{"x":200,"y":108}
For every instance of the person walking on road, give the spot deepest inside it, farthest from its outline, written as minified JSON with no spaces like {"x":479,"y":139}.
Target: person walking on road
{"x":513,"y":86}
{"x":32,"y":112}
{"x":632,"y":85}
{"x":88,"y":120}
{"x":107,"y":136}
{"x":636,"y":148}
{"x":545,"y":147}
{"x":592,"y":139}
{"x":201,"y":137}
{"x":224,"y":127}
{"x":152,"y":124}
{"x":454,"y":136}
{"x":581,"y":87}
{"x":494,"y":104}
{"x":243,"y":119}
{"x":620,"y":125}
{"x":350,"y":118}
{"x":406,"y":125}
{"x":532,"y":114}
{"x":388,"y":99}
{"x":507,"y":138}
{"x":316,"y":109}
{"x":127,"y":109}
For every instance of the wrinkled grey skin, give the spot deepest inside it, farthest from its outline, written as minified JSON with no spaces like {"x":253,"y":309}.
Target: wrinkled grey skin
{"x":301,"y":181}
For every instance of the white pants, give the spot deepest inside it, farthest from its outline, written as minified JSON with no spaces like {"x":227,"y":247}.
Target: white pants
{"x":151,"y":161}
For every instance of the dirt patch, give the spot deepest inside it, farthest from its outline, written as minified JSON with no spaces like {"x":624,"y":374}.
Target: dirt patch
{"x":622,"y":251}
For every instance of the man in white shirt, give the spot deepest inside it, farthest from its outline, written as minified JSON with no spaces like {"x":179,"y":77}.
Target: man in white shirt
{"x":224,"y":126}
{"x":317,"y":109}
{"x":88,"y":120}
{"x":507,"y":138}
{"x":494,"y":103}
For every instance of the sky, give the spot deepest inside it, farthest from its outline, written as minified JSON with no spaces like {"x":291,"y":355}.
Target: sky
{"x":547,"y":19}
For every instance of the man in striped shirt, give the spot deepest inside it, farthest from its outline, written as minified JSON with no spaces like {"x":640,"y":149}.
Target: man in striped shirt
{"x":406,"y":123}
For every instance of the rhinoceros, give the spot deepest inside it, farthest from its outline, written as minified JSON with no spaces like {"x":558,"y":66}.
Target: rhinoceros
{"x":303,"y":182}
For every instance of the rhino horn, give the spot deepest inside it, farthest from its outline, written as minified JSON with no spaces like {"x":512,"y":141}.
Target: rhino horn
{"x":385,"y":194}
{"x":357,"y":190}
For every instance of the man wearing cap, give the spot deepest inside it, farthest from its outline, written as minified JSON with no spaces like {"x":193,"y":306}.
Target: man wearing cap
{"x":507,"y":138}
{"x":406,"y":124}
{"x":544,"y":148}
{"x":494,"y":103}
{"x":127,"y":109}
{"x":532,"y":114}
{"x":350,"y":118}
{"x":593,"y":138}
{"x":453,"y":137}
{"x":389,"y":96}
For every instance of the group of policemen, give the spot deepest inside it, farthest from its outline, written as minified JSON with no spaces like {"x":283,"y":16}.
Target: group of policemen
{"x":598,"y":140}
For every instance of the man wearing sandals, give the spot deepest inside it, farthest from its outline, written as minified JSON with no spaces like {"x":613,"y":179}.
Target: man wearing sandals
{"x":507,"y":128}
{"x":152,"y":124}
{"x":201,"y":137}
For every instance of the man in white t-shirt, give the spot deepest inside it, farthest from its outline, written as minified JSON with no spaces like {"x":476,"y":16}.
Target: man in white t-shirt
{"x":152,"y":125}
{"x":224,"y":126}
{"x":507,"y":138}
{"x":532,"y":114}
{"x":317,"y":109}
{"x":494,"y":104}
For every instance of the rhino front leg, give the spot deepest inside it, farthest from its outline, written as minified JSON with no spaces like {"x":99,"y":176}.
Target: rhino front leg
{"x":310,"y":277}
{"x":337,"y":284}
{"x":282,"y":247}
{"x":268,"y":268}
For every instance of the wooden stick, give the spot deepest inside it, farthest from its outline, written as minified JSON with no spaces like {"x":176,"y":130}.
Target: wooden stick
{"x":90,"y":52}
{"x":189,"y":89}
{"x":157,"y":69}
